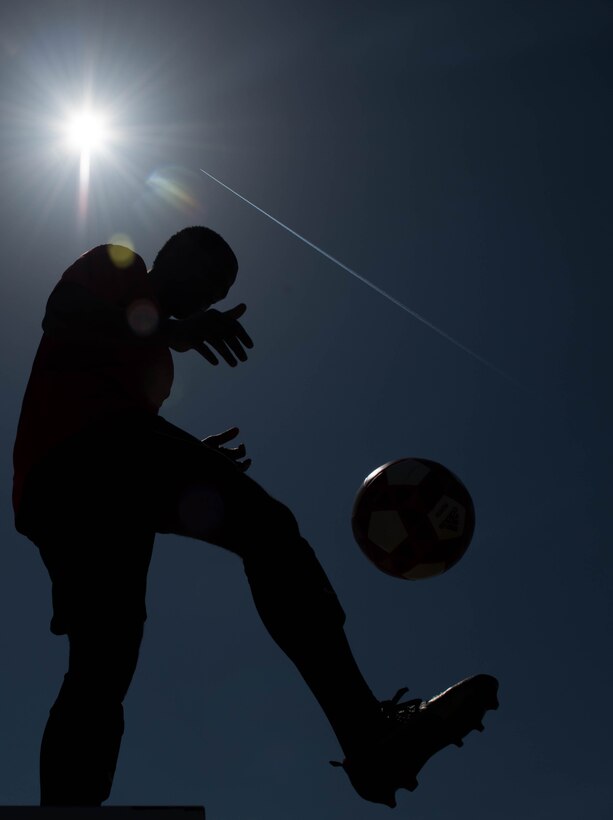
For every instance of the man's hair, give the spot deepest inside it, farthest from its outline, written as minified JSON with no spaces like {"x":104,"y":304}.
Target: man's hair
{"x":196,"y":239}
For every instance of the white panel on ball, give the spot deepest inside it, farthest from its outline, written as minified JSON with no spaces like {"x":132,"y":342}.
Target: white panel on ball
{"x":425,"y":571}
{"x":386,"y":530}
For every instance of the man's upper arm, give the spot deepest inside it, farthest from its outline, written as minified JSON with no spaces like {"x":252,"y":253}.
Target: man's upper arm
{"x":75,"y":313}
{"x":91,"y":300}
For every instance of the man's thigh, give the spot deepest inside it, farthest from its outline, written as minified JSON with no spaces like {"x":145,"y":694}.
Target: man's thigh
{"x":198,"y":492}
{"x":96,"y":506}
{"x":98,"y":583}
{"x":83,"y":515}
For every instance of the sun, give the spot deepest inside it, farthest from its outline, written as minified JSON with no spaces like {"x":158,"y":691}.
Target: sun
{"x":86,"y":131}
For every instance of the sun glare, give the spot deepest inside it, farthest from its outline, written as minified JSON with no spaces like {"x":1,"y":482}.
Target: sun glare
{"x":86,"y":131}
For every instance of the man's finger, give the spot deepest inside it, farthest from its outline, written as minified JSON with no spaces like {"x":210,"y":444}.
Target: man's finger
{"x":224,"y":351}
{"x":234,"y":314}
{"x":237,"y":348}
{"x":204,"y":351}
{"x":216,"y":441}
{"x":242,"y":335}
{"x":226,"y":436}
{"x":237,"y":311}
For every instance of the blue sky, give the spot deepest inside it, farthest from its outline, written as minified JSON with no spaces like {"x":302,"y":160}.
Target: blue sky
{"x":457,"y":155}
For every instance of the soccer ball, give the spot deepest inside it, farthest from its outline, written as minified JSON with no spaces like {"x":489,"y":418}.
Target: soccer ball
{"x":413,"y":518}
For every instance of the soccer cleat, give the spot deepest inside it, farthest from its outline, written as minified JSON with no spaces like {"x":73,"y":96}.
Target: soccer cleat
{"x":412,"y":732}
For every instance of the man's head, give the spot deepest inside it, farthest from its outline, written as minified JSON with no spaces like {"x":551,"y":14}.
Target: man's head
{"x":192,"y":271}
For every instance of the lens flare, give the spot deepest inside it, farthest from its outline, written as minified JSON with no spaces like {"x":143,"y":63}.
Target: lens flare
{"x":143,"y":317}
{"x":121,"y":250}
{"x":171,"y":185}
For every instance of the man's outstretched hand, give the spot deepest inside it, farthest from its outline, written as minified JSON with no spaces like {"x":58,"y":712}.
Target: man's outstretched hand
{"x":237,"y":454}
{"x":216,"y":329}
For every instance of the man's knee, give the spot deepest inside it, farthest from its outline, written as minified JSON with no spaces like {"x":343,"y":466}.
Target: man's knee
{"x":102,"y":662}
{"x":270,"y":522}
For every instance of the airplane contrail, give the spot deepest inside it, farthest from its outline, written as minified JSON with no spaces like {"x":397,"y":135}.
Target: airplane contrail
{"x":367,"y":282}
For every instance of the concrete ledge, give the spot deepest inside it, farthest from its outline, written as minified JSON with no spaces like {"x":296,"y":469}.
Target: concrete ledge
{"x":103,"y":813}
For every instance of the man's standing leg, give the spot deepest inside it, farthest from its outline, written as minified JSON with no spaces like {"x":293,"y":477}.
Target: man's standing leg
{"x":82,"y":737}
{"x":99,"y":603}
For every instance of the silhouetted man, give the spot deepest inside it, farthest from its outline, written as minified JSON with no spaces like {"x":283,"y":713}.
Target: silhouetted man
{"x":98,"y":472}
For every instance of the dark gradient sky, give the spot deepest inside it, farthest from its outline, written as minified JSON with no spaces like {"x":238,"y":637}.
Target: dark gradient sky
{"x":459,"y":156}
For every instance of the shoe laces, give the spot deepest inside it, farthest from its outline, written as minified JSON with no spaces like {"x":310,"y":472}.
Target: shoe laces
{"x":393,"y":710}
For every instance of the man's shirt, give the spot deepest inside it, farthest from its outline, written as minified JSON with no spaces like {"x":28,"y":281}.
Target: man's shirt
{"x":77,"y":383}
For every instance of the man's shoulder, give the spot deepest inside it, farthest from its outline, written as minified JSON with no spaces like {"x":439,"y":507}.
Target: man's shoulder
{"x":108,"y":271}
{"x":108,"y":258}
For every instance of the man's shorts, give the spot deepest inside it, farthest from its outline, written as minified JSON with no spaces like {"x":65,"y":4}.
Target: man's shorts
{"x":94,"y":505}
